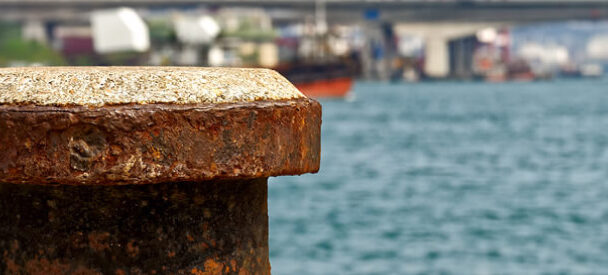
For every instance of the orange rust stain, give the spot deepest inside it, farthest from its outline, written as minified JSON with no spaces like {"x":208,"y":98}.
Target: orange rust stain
{"x":120,"y":272}
{"x":77,"y":239}
{"x":11,"y":266}
{"x":155,"y":153}
{"x":44,"y":266}
{"x":115,"y":150}
{"x":98,"y":241}
{"x":171,"y":254}
{"x":244,"y":271}
{"x":85,"y":271}
{"x":132,"y":249}
{"x":145,"y":137}
{"x":13,"y":171}
{"x":202,"y":246}
{"x":189,"y":237}
{"x":213,"y":267}
{"x":196,"y":271}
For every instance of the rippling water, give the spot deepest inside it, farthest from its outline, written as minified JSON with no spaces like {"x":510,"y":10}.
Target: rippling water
{"x":452,"y":178}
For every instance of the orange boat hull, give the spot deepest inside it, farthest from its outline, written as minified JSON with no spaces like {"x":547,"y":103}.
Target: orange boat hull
{"x":336,"y":87}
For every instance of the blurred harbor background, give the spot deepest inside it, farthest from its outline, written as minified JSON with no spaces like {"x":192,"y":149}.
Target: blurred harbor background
{"x":459,"y":137}
{"x":308,"y":41}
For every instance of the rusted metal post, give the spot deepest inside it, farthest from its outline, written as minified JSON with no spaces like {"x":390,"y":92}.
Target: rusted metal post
{"x":145,"y":170}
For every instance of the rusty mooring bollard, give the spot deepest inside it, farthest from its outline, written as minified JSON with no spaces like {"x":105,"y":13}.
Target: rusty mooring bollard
{"x":126,"y":170}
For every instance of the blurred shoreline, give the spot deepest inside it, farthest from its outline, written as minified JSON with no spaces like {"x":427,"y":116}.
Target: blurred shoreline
{"x":366,"y":48}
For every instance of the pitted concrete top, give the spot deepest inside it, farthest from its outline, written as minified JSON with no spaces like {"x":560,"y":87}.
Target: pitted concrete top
{"x":99,"y":86}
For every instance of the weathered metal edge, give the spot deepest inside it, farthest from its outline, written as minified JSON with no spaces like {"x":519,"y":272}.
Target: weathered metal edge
{"x":155,"y":143}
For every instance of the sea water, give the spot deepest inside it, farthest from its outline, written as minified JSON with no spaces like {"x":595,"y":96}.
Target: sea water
{"x":452,"y":178}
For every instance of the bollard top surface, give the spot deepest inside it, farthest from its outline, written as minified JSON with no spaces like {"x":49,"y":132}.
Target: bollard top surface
{"x":144,"y":125}
{"x":99,"y":86}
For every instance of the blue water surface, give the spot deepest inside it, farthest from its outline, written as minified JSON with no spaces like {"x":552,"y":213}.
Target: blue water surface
{"x":452,"y":178}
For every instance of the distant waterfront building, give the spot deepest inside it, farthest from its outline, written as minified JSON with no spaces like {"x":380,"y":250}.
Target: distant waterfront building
{"x":117,"y":30}
{"x":597,"y":48}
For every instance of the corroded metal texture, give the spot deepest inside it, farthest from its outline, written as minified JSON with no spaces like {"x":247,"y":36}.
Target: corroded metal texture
{"x":215,"y":227}
{"x":155,"y":143}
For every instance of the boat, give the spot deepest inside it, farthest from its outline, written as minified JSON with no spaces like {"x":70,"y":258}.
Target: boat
{"x":329,"y":80}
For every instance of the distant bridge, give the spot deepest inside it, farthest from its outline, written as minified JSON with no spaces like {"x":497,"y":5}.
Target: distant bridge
{"x":338,"y":11}
{"x":437,"y":21}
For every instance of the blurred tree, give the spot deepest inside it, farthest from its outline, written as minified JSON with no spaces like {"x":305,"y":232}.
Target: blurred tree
{"x":249,"y":30}
{"x":14,"y":49}
{"x":161,"y":31}
{"x":124,"y":58}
